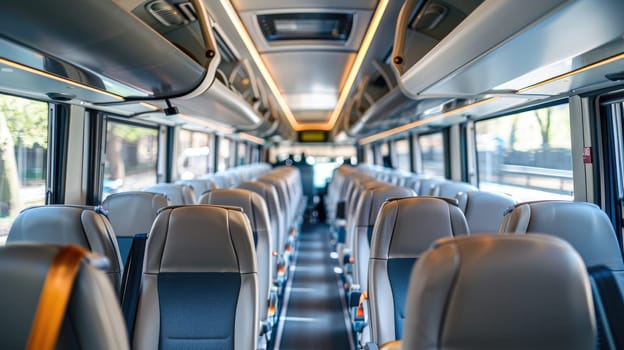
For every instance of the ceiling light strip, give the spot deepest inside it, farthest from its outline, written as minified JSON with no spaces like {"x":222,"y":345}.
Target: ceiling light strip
{"x":406,"y":127}
{"x":357,"y":64}
{"x":574,"y":72}
{"x":251,"y":138}
{"x":57,"y":78}
{"x":255,"y":56}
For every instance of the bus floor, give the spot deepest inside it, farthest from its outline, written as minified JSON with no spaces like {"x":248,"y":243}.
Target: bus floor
{"x":313,"y":316}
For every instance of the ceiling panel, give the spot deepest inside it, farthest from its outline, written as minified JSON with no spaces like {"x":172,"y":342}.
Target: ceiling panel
{"x":308,"y":72}
{"x":253,"y":5}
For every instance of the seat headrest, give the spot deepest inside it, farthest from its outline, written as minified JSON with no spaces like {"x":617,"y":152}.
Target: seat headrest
{"x":582,"y":224}
{"x":373,"y":197}
{"x":67,"y":224}
{"x":406,"y":227}
{"x":484,"y":210}
{"x":201,"y":238}
{"x":176,"y":194}
{"x":199,"y":186}
{"x":133,"y":212}
{"x":450,"y":189}
{"x":499,"y":292}
{"x":250,"y":202}
{"x":93,"y":318}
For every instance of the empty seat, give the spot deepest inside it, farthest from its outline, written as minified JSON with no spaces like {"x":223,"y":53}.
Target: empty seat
{"x":66,"y":224}
{"x":255,"y":209}
{"x":404,"y":230}
{"x":368,"y":208}
{"x":200,"y":287}
{"x":199,"y":186}
{"x":499,"y":292}
{"x":92,"y":318}
{"x":132,"y":213}
{"x":176,"y":194}
{"x":450,"y":189}
{"x":483,"y":210}
{"x":430,"y":186}
{"x":589,"y":231}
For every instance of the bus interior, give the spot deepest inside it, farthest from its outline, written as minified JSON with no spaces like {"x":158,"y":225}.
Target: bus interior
{"x":312,"y":174}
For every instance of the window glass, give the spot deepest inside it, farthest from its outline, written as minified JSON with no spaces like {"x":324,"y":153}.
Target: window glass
{"x":194,"y":156}
{"x":401,"y":155}
{"x":527,"y":155}
{"x":369,"y":156}
{"x":131,"y":157}
{"x":241,"y":153}
{"x":224,"y":154}
{"x":23,"y":157}
{"x":432,"y":148}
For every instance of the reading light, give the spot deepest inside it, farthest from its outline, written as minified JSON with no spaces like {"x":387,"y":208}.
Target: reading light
{"x":57,"y":78}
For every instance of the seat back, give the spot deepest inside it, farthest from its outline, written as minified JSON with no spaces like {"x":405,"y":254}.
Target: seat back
{"x":370,"y":203}
{"x":92,"y":317}
{"x":484,"y":211}
{"x":499,"y":292}
{"x":405,"y":229}
{"x":450,"y":189}
{"x":131,"y":213}
{"x":83,"y":226}
{"x":430,"y":186}
{"x":176,"y":194}
{"x":269,"y":194}
{"x":199,"y":186}
{"x":200,"y":286}
{"x":254,"y":207}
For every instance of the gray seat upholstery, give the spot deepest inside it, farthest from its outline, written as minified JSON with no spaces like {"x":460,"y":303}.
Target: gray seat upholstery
{"x":499,"y":292}
{"x":430,"y":186}
{"x":483,"y":210}
{"x":404,"y":230}
{"x":176,"y":194}
{"x":199,"y":186}
{"x":66,"y":224}
{"x":92,"y":319}
{"x":131,"y":213}
{"x":583,"y":225}
{"x":200,"y":287}
{"x":450,"y":189}
{"x":256,"y":210}
{"x":368,"y":209}
{"x":589,"y":231}
{"x":269,"y":194}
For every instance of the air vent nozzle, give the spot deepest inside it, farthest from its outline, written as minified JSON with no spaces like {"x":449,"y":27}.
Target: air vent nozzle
{"x":165,"y":13}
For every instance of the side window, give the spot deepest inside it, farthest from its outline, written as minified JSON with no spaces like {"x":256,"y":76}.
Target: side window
{"x":432,"y":148}
{"x":23,"y":157}
{"x":527,"y":155}
{"x":195,"y":154}
{"x":384,"y":150}
{"x":131,"y":157}
{"x":225,"y":150}
{"x":241,"y":153}
{"x":401,"y":155}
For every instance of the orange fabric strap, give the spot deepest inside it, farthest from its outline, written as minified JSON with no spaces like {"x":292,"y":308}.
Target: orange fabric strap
{"x":54,"y":298}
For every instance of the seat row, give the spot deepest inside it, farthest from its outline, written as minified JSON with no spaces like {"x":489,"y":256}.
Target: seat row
{"x":194,"y":261}
{"x":393,"y":233}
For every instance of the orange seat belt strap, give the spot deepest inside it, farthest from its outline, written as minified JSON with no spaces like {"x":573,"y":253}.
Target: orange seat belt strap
{"x":54,"y":298}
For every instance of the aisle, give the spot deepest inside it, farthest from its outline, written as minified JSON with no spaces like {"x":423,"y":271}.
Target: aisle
{"x":314,"y":313}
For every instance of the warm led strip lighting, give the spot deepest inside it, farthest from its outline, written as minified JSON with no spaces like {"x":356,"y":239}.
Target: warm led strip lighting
{"x":213,"y":126}
{"x":574,"y":72}
{"x":402,"y":128}
{"x":346,"y":89}
{"x":255,"y":56}
{"x":412,"y":125}
{"x":150,"y":106}
{"x":357,"y":64}
{"x":251,"y":138}
{"x":57,"y":78}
